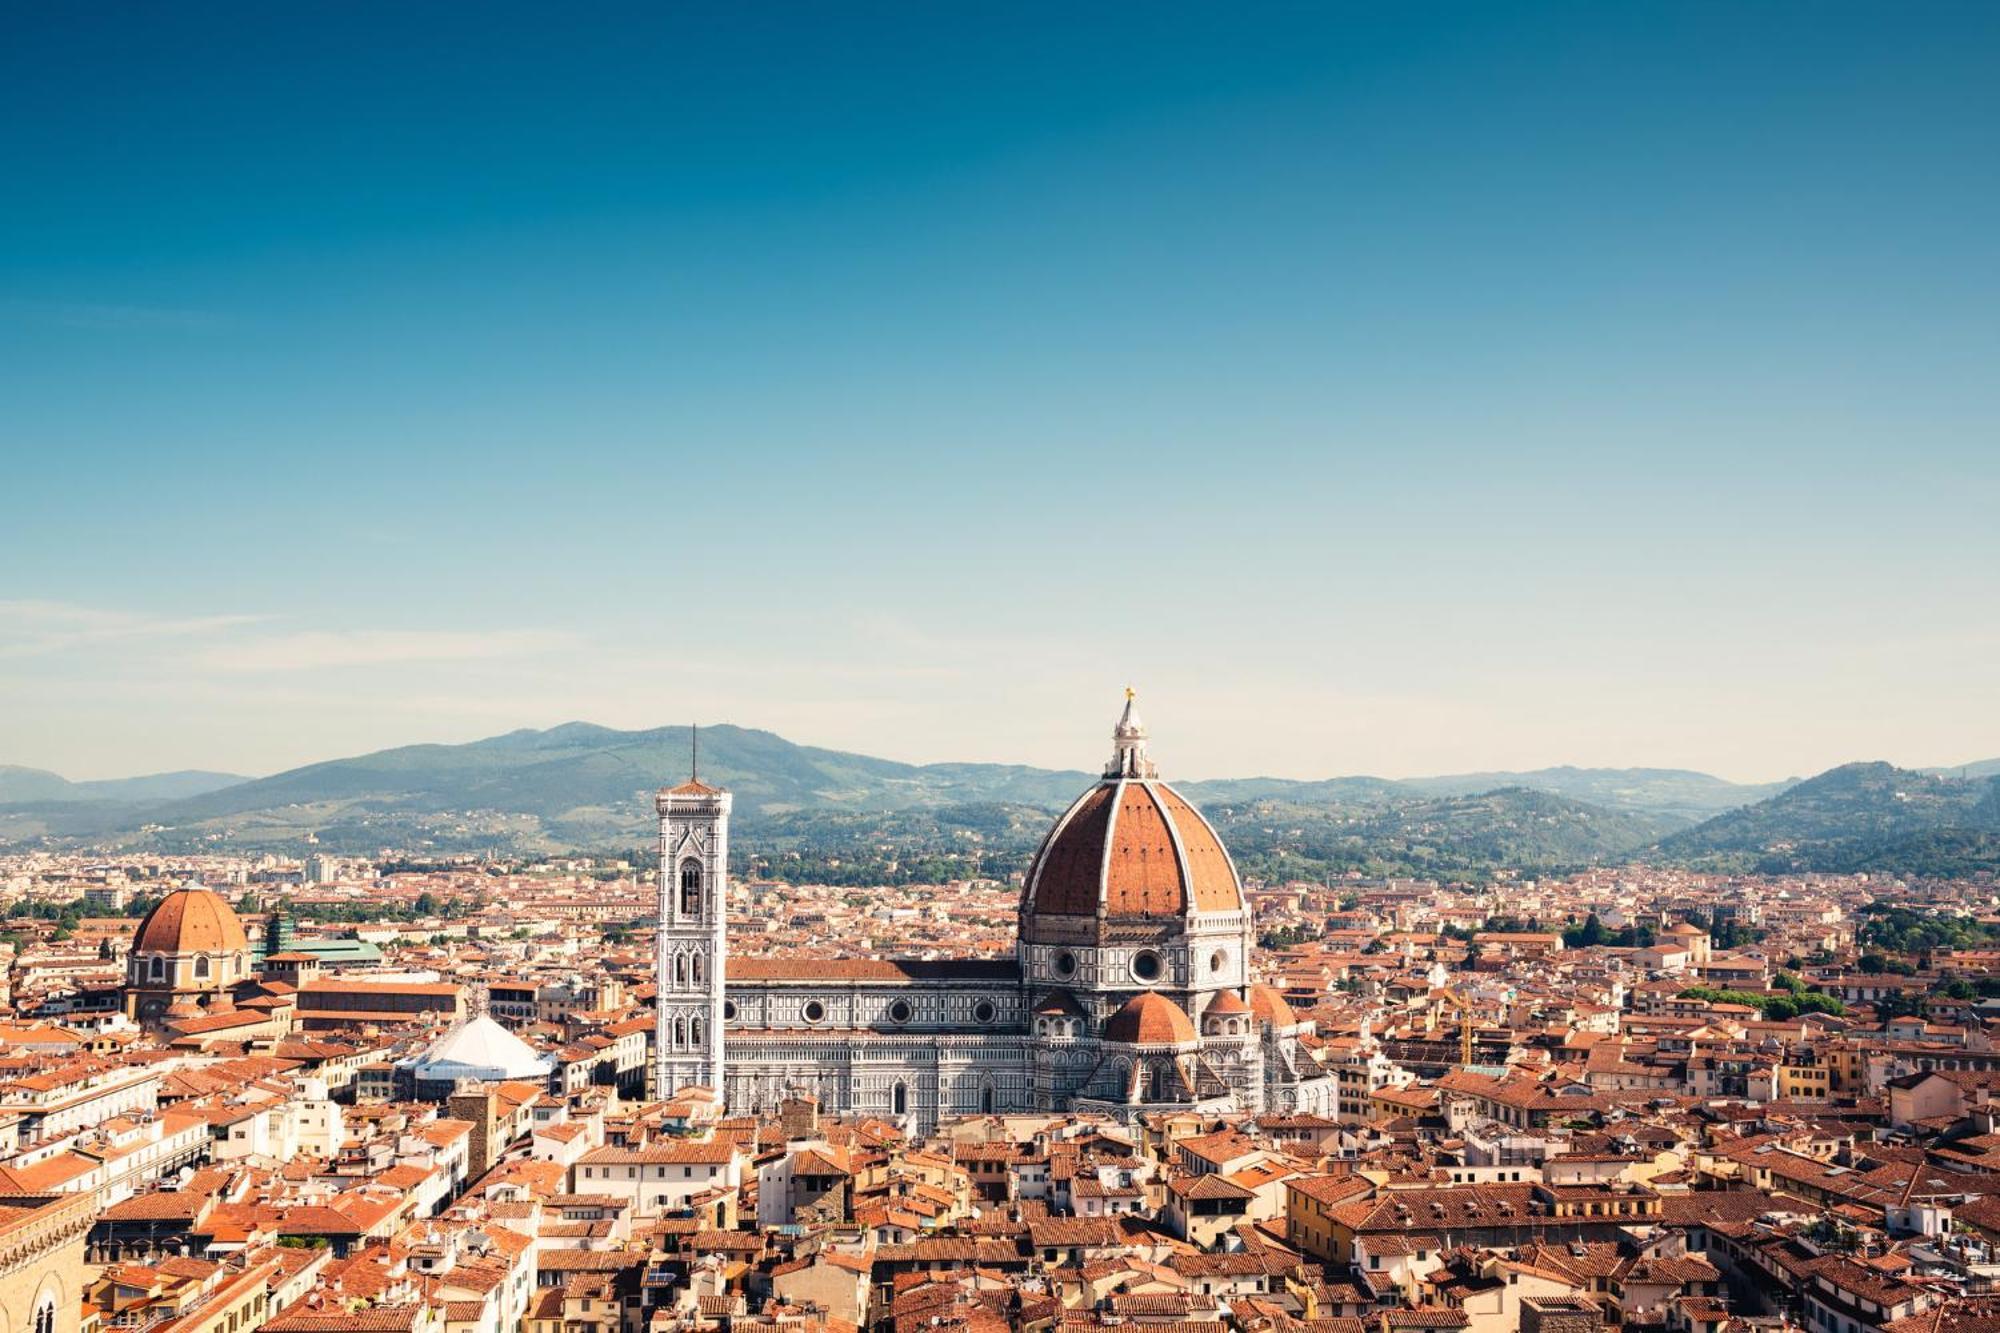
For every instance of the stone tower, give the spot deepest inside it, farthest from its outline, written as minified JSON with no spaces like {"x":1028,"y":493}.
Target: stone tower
{"x":691,"y":944}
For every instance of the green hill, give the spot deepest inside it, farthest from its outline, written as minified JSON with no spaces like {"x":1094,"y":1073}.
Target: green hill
{"x":1675,"y":792}
{"x":850,"y":816}
{"x":1866,"y":816}
{"x":1449,"y":836}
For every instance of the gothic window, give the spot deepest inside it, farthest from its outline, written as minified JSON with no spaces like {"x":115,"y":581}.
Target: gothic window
{"x":697,"y":969}
{"x":1156,"y":1082}
{"x":680,"y":1033}
{"x":899,"y":1099}
{"x":986,"y":1099}
{"x":694,"y":1032}
{"x":45,"y":1318}
{"x":681,"y":970}
{"x":690,"y":888}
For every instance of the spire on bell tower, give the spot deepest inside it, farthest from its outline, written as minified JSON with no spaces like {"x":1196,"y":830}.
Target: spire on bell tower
{"x":1128,"y":744}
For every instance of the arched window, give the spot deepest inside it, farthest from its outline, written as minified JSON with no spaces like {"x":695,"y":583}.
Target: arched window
{"x":694,"y":1033}
{"x":899,"y":1099}
{"x":45,"y":1318}
{"x":680,"y":970}
{"x":690,"y":888}
{"x":680,"y":1033}
{"x":986,"y":1099}
{"x":696,"y":969}
{"x":159,"y":968}
{"x":1156,"y":1082}
{"x":201,"y":967}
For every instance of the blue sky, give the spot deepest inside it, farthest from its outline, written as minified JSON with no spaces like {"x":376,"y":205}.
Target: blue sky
{"x":1391,"y":389}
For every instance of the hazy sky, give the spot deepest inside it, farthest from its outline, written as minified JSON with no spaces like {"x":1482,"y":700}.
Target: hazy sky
{"x":1379,"y":388}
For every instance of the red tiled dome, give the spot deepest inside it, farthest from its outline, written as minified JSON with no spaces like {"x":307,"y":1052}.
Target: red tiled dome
{"x":191,"y":920}
{"x":1132,"y":848}
{"x":1150,"y":1019}
{"x":1229,"y":1002}
{"x":1269,"y":1004}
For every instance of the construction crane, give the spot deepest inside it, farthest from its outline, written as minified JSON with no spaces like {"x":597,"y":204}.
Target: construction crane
{"x":1464,"y":1011}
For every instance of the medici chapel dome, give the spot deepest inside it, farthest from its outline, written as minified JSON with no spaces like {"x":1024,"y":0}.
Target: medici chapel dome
{"x":191,"y":920}
{"x":1130,"y":849}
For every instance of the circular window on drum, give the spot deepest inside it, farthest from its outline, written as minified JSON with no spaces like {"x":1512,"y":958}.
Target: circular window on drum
{"x":899,"y":1011}
{"x":984,"y":1012}
{"x":1146,"y":966}
{"x":1065,"y":964}
{"x":815,"y":1012}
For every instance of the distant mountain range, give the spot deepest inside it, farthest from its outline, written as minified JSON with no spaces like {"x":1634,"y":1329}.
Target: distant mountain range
{"x":35,"y":784}
{"x":581,"y":786}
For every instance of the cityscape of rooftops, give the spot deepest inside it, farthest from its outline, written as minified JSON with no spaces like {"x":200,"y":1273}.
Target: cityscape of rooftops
{"x":814,"y":669}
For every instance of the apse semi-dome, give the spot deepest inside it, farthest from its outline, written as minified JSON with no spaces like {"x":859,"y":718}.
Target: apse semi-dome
{"x":191,"y":920}
{"x":1131,"y":848}
{"x":1269,"y":1004}
{"x":1150,"y":1019}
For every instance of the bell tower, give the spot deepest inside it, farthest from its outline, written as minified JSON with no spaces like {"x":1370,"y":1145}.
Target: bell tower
{"x":691,"y":942}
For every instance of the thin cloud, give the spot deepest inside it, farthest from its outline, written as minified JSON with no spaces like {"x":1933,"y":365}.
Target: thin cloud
{"x":31,"y":628}
{"x":317,"y":649}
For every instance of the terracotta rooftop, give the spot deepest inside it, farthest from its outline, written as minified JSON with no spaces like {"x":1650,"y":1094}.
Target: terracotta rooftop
{"x":1150,"y":1019}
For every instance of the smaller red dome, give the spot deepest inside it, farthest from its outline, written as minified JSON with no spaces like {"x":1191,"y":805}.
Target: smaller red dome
{"x":1268,"y":1004}
{"x":191,"y":920}
{"x":1226,"y":1004}
{"x":1150,"y":1019}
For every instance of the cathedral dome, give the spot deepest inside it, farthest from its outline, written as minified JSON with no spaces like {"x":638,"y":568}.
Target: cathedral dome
{"x":191,"y":920}
{"x":1269,"y":1004}
{"x":1131,"y":848}
{"x":1150,"y":1019}
{"x":1228,"y":1003}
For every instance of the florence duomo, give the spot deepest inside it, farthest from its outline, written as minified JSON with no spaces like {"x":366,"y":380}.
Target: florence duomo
{"x":1130,"y":990}
{"x":1536,"y":461}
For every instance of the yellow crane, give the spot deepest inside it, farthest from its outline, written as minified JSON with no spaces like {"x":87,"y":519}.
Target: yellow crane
{"x":1464,"y":1011}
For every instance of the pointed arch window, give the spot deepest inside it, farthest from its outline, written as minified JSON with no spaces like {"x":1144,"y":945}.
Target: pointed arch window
{"x":45,"y":1318}
{"x":986,"y":1099}
{"x":694,"y":1033}
{"x":680,"y":1033}
{"x":690,"y":888}
{"x":899,"y":1099}
{"x":680,"y":970}
{"x":695,"y":969}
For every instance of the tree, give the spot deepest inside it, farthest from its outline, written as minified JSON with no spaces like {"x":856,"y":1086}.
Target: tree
{"x":1588,"y":935}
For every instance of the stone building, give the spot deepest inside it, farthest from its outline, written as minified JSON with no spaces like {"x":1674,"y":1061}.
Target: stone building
{"x":1129,"y":990}
{"x":187,"y":955}
{"x":42,"y":1273}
